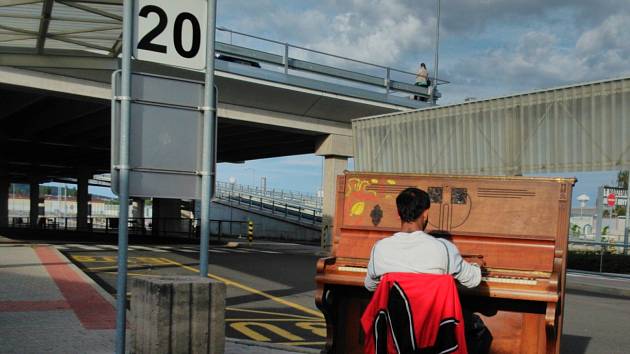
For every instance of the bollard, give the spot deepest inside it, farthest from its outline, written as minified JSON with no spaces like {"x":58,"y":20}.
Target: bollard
{"x":177,"y":314}
{"x":250,"y":231}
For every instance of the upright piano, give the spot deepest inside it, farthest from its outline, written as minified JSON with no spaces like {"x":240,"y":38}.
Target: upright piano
{"x":515,"y":227}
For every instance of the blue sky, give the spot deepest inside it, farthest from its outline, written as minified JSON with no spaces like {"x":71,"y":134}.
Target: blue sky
{"x":487,"y":48}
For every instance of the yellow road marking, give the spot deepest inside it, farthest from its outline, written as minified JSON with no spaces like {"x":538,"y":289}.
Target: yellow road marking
{"x":272,"y":313}
{"x":318,"y":328}
{"x":251,"y":290}
{"x":244,"y":328}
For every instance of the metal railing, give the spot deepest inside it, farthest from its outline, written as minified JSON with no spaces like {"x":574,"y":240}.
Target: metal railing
{"x":137,"y":226}
{"x":601,"y":257}
{"x":281,"y":195}
{"x":376,"y":75}
{"x":290,"y":207}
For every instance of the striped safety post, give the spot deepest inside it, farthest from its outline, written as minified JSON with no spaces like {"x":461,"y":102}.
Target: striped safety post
{"x":250,"y":231}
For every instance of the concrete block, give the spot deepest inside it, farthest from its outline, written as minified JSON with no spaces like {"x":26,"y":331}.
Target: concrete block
{"x":174,"y":314}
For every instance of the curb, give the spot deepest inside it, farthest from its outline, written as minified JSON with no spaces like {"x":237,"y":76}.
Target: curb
{"x":603,"y":290}
{"x":285,"y":347}
{"x":576,"y":285}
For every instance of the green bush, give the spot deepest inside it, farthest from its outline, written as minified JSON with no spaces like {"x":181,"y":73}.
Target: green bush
{"x":589,"y":261}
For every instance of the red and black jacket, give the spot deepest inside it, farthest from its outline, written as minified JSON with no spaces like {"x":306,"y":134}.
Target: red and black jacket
{"x":414,"y":313}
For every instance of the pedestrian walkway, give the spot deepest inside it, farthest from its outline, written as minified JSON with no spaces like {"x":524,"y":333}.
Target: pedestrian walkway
{"x":47,"y":305}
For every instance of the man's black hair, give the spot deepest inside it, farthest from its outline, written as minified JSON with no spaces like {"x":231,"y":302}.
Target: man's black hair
{"x":411,"y":203}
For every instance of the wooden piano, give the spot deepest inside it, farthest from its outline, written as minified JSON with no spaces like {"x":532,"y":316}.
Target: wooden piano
{"x":515,"y":227}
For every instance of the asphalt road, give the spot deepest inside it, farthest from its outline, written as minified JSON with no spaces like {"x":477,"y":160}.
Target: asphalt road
{"x":271,"y":287}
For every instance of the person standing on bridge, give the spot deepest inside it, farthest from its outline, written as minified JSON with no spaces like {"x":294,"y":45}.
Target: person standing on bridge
{"x":422,"y":76}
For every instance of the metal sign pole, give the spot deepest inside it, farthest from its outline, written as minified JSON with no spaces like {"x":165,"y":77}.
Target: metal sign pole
{"x":207,"y":156}
{"x":123,"y":194}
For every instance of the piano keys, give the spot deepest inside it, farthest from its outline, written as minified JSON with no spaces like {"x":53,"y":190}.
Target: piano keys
{"x":516,"y":228}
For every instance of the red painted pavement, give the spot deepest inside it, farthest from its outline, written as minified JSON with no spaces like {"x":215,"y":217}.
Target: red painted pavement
{"x":91,"y":308}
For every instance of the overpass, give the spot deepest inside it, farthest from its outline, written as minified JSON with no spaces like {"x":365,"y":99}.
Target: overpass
{"x":56,"y":60}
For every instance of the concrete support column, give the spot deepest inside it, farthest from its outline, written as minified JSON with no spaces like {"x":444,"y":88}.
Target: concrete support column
{"x":4,"y":197}
{"x":82,"y":200}
{"x":336,"y":150}
{"x":34,"y":199}
{"x":137,"y":213}
{"x":4,"y":185}
{"x":137,"y":208}
{"x":166,"y":216}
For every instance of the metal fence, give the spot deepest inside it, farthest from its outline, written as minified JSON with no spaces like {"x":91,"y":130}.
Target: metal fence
{"x":296,"y":211}
{"x":182,"y":227}
{"x":281,"y":196}
{"x":601,"y":257}
{"x":304,"y":61}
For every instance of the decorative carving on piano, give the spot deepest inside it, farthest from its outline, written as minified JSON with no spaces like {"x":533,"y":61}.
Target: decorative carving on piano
{"x":504,"y":193}
{"x":435,"y":194}
{"x":376,"y":214}
{"x":459,"y":196}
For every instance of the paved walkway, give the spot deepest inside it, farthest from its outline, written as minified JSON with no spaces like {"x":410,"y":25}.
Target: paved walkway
{"x":47,"y":305}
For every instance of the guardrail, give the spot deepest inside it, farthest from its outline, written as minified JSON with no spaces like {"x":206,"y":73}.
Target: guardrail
{"x":281,"y":196}
{"x":602,"y":257}
{"x":137,"y":226}
{"x":376,"y":75}
{"x":296,"y":212}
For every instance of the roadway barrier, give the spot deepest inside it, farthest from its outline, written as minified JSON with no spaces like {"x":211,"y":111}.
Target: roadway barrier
{"x":250,"y":231}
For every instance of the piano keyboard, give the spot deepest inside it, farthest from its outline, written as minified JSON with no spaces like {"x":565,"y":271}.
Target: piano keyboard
{"x":491,"y":279}
{"x":509,"y":280}
{"x":352,"y":269}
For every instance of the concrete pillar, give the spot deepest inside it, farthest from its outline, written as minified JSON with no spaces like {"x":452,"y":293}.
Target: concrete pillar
{"x":177,"y":315}
{"x":137,"y":213}
{"x":34,"y":198}
{"x":4,"y":185}
{"x":4,"y":197}
{"x":336,"y":150}
{"x":82,"y":200}
{"x":137,"y":208}
{"x":166,"y":216}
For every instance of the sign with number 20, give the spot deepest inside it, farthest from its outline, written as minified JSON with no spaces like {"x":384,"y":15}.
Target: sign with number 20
{"x":171,"y":32}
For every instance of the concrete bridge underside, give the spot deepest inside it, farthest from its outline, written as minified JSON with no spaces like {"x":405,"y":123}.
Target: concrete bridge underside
{"x":56,"y":126}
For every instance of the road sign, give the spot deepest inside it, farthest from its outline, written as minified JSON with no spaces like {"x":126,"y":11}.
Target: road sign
{"x":171,"y":32}
{"x":611,"y":199}
{"x":165,"y":137}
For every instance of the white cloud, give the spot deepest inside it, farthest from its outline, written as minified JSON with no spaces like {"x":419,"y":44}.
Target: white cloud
{"x":537,"y":60}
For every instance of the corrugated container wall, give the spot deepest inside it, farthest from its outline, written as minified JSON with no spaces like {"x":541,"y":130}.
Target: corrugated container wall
{"x":569,"y":129}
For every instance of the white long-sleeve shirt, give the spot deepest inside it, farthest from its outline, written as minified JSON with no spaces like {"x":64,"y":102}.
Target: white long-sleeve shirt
{"x":419,"y":252}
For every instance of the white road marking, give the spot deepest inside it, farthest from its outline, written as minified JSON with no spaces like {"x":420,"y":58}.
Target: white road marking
{"x":263,"y":251}
{"x":84,"y":247}
{"x":144,"y":248}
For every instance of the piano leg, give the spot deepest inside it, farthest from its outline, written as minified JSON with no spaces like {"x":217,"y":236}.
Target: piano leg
{"x":343,"y":306}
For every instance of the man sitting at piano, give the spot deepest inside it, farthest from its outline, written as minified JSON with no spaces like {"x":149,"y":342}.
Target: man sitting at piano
{"x":413,"y":251}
